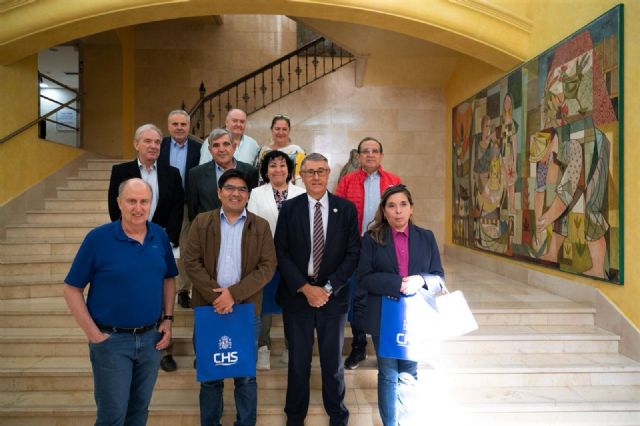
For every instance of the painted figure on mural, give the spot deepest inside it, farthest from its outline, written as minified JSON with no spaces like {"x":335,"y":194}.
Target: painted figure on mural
{"x":462,"y":138}
{"x":483,"y":155}
{"x":576,"y":170}
{"x":508,"y":146}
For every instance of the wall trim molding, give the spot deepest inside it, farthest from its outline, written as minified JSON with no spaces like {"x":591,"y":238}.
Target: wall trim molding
{"x":508,"y":17}
{"x":7,"y":5}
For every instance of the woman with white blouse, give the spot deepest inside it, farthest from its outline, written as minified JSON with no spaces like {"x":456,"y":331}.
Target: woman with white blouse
{"x":276,"y":170}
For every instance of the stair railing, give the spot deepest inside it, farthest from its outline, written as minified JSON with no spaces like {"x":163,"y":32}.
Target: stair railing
{"x":268,"y":84}
{"x":43,"y":118}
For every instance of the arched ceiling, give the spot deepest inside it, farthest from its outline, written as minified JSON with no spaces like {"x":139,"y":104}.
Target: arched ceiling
{"x":491,"y":33}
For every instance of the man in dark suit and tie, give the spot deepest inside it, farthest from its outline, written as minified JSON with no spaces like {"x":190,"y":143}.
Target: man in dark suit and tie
{"x":317,"y":245}
{"x":167,"y":204}
{"x":183,"y":153}
{"x":202,"y":194}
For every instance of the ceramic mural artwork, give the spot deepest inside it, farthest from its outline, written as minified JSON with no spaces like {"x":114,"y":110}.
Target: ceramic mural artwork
{"x":537,"y":158}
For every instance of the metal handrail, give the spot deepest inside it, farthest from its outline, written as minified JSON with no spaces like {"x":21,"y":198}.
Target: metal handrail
{"x":253,"y":86}
{"x":38,"y":120}
{"x":50,"y":113}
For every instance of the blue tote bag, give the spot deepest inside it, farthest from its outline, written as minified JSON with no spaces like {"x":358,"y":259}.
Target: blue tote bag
{"x":225,"y":344}
{"x":408,"y":329}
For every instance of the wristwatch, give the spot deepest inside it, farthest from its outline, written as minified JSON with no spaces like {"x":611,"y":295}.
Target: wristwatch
{"x":328,"y":287}
{"x":167,"y":317}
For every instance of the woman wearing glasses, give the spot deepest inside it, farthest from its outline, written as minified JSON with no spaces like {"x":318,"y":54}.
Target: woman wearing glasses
{"x":280,"y":127}
{"x":276,"y":171}
{"x":397,"y":259}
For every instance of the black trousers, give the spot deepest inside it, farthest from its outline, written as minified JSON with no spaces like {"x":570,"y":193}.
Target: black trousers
{"x":298,"y":328}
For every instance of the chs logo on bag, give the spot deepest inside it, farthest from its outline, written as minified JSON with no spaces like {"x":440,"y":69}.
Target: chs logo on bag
{"x":225,"y":357}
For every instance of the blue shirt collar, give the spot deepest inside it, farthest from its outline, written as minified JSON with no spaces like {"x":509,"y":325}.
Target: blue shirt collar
{"x":177,"y":145}
{"x":120,"y":235}
{"x":243,"y":215}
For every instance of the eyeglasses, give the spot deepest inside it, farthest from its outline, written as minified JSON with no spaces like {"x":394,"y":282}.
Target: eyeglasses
{"x":319,"y":172}
{"x":231,"y":189}
{"x":285,"y":116}
{"x":370,"y":151}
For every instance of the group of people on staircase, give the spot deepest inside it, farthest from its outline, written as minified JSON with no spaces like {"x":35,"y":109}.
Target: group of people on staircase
{"x":251,"y":225}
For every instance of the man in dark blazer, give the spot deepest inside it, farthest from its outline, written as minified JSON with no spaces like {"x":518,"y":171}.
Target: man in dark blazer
{"x":167,"y":204}
{"x":202,"y":194}
{"x":178,"y":124}
{"x":317,"y":245}
{"x":183,"y":153}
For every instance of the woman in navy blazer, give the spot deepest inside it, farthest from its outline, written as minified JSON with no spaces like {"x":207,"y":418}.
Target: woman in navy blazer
{"x":397,"y":259}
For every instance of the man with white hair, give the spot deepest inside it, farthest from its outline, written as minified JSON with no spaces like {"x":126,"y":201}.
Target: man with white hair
{"x":167,"y":204}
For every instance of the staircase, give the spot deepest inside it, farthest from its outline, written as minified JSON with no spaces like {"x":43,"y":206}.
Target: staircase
{"x":537,"y":359}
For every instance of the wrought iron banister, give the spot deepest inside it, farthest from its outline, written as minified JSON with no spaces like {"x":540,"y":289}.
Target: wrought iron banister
{"x":268,"y":83}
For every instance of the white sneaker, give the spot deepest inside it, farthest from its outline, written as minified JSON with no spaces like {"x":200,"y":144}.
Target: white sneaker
{"x":264,"y":358}
{"x":285,"y":356}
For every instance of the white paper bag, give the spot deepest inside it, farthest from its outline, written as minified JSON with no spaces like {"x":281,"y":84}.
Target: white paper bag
{"x":456,"y":318}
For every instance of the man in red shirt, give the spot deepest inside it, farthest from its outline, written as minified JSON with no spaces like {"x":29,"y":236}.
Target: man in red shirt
{"x":363,"y":188}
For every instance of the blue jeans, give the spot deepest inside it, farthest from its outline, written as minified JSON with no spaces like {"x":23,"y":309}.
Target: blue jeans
{"x":245,"y":395}
{"x":125,"y":368}
{"x":396,"y":388}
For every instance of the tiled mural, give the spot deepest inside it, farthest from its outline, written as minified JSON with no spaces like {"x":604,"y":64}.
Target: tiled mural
{"x":537,"y":168}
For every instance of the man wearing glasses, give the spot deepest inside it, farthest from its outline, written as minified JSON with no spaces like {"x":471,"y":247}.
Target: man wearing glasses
{"x":203,"y":179}
{"x":229,"y":257}
{"x":363,"y":188}
{"x":317,"y":246}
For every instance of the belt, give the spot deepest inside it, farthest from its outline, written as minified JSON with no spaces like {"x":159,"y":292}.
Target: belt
{"x":134,"y":330}
{"x":312,"y":280}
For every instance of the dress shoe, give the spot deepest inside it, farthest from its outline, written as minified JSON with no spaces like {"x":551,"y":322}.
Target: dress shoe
{"x":355,"y":357}
{"x":184,"y":300}
{"x":168,"y":364}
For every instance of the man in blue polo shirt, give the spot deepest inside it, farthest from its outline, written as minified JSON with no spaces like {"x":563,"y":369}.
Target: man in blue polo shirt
{"x":128,"y":313}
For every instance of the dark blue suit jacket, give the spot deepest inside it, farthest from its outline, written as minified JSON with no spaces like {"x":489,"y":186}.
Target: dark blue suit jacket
{"x":379,"y":276}
{"x":193,"y":155}
{"x":293,"y":249}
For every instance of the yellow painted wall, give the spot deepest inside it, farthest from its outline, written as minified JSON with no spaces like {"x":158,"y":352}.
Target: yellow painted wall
{"x":553,"y":20}
{"x":25,"y":159}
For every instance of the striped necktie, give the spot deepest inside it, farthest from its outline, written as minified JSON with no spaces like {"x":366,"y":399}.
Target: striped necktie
{"x":318,"y":239}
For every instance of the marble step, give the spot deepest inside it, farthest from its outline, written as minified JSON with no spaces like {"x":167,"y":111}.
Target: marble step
{"x":489,"y":406}
{"x":17,"y":288}
{"x":89,"y":183}
{"x":168,"y":407}
{"x":94,"y":174}
{"x":98,"y":204}
{"x":462,"y":371}
{"x":485,"y":340}
{"x":35,"y":266}
{"x":78,"y":217}
{"x":103,"y":164}
{"x":80,"y":194}
{"x":39,"y":246}
{"x":20,"y":311}
{"x":36,"y":230}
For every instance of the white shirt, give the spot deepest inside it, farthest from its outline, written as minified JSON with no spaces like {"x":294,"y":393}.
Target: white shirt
{"x":151,"y":177}
{"x":325,"y":220}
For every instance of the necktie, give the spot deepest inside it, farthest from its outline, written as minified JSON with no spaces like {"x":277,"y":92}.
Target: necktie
{"x":318,"y":239}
